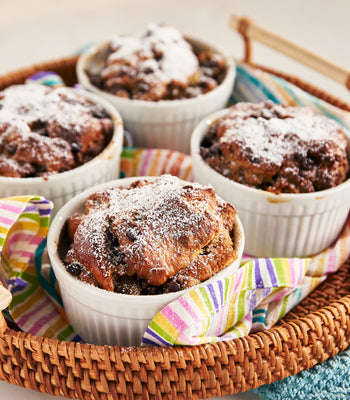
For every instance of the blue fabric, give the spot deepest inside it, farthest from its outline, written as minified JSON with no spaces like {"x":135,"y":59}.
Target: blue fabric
{"x":329,"y":380}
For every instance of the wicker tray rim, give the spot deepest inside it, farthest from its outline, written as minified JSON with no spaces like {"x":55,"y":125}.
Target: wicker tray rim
{"x":85,"y":371}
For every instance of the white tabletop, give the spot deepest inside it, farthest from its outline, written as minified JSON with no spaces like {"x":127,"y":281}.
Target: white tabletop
{"x":34,"y":30}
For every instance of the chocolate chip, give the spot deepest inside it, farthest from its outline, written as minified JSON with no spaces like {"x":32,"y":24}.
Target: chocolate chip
{"x":205,"y":251}
{"x":143,"y":87}
{"x":11,"y":149}
{"x":44,"y":132}
{"x":148,"y":70}
{"x":76,"y":147}
{"x":149,"y":290}
{"x":189,"y":187}
{"x":158,"y":56}
{"x":127,"y":285}
{"x":33,"y":171}
{"x":36,"y":170}
{"x":100,"y":113}
{"x":130,"y":233}
{"x":40,"y":169}
{"x":172,"y":286}
{"x":37,"y":125}
{"x":112,"y":238}
{"x":75,"y":269}
{"x":203,"y":83}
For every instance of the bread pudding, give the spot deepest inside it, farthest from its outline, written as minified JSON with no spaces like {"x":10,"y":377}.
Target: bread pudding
{"x":158,"y":64}
{"x":151,"y":237}
{"x":45,"y":131}
{"x":277,"y":148}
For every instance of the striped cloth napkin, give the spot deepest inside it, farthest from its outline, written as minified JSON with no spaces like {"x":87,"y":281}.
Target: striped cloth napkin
{"x":25,"y":270}
{"x":24,"y":223}
{"x":256,"y":85}
{"x":260,"y":293}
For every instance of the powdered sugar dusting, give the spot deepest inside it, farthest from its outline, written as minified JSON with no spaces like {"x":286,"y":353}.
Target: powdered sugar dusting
{"x":52,"y":130}
{"x":158,"y":227}
{"x":146,"y":202}
{"x":146,"y":195}
{"x":269,"y":137}
{"x":277,"y":148}
{"x":176,"y":59}
{"x":91,"y":230}
{"x":32,"y":102}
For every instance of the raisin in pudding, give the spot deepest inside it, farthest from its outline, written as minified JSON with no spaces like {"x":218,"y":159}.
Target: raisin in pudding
{"x":277,"y":148}
{"x":158,"y":64}
{"x":45,"y":131}
{"x":151,"y":237}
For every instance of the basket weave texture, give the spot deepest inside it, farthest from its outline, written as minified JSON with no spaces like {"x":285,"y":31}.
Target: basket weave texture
{"x":315,"y":330}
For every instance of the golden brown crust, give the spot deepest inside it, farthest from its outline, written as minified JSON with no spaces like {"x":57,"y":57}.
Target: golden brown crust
{"x":159,"y":64}
{"x":276,"y":148}
{"x":45,"y":131}
{"x":156,"y":254}
{"x":209,"y":261}
{"x":162,"y":234}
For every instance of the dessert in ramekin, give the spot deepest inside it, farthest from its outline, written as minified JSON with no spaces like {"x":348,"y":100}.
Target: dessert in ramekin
{"x":162,"y":84}
{"x":123,"y":250}
{"x":284,"y":168}
{"x":56,"y":142}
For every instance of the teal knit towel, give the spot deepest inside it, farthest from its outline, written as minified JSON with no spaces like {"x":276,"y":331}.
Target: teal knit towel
{"x":329,"y":380}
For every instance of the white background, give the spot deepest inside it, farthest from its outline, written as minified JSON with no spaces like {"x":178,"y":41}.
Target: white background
{"x":33,"y":31}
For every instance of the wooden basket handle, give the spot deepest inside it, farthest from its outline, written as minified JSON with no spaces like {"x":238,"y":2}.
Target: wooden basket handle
{"x":251,"y":31}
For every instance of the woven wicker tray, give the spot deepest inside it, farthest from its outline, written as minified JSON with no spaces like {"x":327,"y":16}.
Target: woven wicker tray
{"x":315,"y":330}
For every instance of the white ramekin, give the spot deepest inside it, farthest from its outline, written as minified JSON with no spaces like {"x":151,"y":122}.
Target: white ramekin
{"x":59,"y":188}
{"x":284,"y":225}
{"x":103,"y":317}
{"x":163,"y":124}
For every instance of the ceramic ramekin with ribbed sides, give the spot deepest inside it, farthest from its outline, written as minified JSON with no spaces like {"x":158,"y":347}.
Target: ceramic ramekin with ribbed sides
{"x":103,"y":317}
{"x":283,"y":225}
{"x":59,"y":188}
{"x":166,"y":123}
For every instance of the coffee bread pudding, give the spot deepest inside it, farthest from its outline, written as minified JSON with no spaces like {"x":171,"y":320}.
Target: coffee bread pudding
{"x":277,"y":148}
{"x":151,"y":237}
{"x":45,"y":131}
{"x":158,"y":64}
